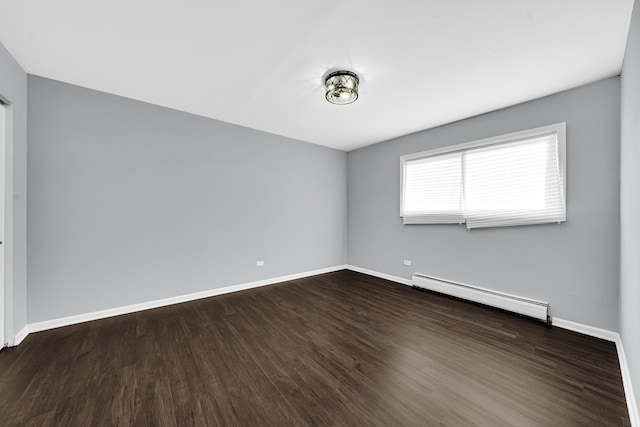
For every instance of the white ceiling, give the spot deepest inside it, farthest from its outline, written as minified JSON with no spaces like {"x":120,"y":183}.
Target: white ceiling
{"x":260,"y":63}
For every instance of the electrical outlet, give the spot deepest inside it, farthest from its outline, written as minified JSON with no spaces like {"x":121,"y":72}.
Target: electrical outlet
{"x":259,"y":263}
{"x":407,"y":262}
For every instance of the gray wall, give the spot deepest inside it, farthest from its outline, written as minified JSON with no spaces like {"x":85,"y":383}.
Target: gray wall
{"x":13,"y":90}
{"x":574,"y":265}
{"x":131,"y":202}
{"x":630,"y":203}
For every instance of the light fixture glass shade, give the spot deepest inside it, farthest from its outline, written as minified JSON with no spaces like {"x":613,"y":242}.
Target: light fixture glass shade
{"x":342,"y":87}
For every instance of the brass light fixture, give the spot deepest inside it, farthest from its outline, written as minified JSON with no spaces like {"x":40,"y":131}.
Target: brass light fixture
{"x":342,"y":87}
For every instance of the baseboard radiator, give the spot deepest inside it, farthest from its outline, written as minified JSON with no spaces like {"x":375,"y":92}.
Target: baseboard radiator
{"x":524,"y":306}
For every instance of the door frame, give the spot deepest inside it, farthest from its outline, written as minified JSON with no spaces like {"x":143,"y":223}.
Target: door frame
{"x":7,"y":222}
{"x":4,"y":133}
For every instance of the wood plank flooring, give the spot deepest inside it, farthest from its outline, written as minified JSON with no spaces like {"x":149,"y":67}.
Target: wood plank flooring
{"x":340,"y":349}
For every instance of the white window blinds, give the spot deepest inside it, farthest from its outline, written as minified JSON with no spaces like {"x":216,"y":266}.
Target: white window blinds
{"x":517,"y":179}
{"x":514,"y":184}
{"x":433,"y":190}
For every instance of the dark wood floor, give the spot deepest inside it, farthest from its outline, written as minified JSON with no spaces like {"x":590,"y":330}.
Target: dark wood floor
{"x":337,"y":349}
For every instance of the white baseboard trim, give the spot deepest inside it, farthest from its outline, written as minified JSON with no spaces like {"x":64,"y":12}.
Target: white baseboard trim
{"x":102,"y":314}
{"x":585,"y":329}
{"x":615,"y":337}
{"x":20,"y":336}
{"x":380,"y":275}
{"x":634,"y":415}
{"x":564,"y":324}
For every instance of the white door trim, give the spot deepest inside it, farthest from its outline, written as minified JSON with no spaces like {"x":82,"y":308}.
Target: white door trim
{"x":3,"y":139}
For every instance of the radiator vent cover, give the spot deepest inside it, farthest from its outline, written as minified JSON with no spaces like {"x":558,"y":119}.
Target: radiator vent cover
{"x":516,"y":304}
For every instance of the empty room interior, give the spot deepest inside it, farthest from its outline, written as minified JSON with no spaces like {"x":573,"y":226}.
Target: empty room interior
{"x":347,"y":213}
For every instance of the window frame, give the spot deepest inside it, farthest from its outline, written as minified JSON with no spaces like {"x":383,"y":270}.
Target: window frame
{"x":560,"y":129}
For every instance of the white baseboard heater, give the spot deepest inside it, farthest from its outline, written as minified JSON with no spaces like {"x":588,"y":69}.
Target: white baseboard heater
{"x":525,"y":306}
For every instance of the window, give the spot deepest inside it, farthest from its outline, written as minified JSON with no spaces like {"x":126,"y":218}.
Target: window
{"x":515,"y":179}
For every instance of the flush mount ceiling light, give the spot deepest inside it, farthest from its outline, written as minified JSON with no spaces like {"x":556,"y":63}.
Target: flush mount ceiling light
{"x":342,"y":87}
